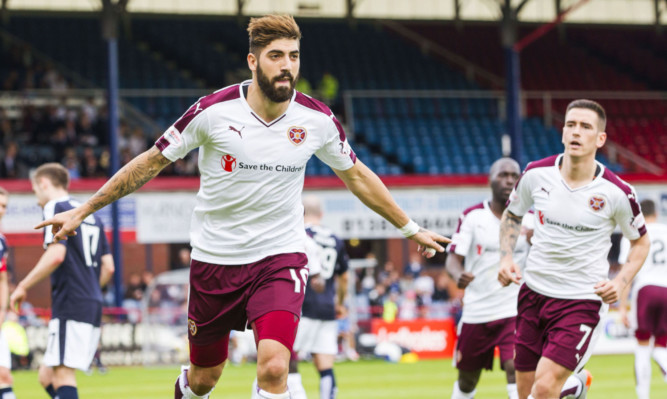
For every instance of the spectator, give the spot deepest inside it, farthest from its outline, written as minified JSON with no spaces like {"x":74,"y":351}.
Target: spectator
{"x":414,"y":267}
{"x":328,"y":88}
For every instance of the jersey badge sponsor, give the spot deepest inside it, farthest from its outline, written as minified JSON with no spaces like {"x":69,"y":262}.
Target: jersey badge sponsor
{"x":232,"y":128}
{"x":479,"y":249}
{"x":297,"y":135}
{"x":540,"y":217}
{"x":173,"y":136}
{"x":596,"y":203}
{"x":228,"y":163}
{"x":192,"y":327}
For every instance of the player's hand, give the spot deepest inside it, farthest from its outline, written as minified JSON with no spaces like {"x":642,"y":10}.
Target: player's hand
{"x":18,"y":296}
{"x":509,"y":272}
{"x":464,"y":279}
{"x":428,"y":242}
{"x":341,"y":311}
{"x":63,"y":224}
{"x":609,"y":290}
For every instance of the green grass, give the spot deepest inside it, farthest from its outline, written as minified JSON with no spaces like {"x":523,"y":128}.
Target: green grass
{"x":613,"y":379}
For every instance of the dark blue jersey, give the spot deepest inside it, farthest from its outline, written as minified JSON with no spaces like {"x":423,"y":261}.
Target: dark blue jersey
{"x":75,"y":284}
{"x":334,"y":261}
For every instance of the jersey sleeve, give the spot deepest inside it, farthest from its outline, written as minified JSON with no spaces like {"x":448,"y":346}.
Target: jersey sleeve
{"x":462,"y":238}
{"x":49,"y":211}
{"x":629,"y":217}
{"x":624,"y":251}
{"x":521,"y":198}
{"x":187,"y":133}
{"x":336,"y":151}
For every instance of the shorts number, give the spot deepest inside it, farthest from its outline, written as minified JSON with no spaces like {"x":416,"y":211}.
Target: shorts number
{"x":587,"y":331}
{"x":297,"y":282}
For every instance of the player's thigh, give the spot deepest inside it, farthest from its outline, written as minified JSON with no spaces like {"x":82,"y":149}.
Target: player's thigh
{"x":279,"y":285}
{"x":573,"y":330}
{"x":71,"y":343}
{"x":529,"y":338}
{"x":550,"y":377}
{"x":475,"y":347}
{"x":306,"y":335}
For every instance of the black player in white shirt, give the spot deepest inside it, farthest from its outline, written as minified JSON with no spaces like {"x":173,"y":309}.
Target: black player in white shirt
{"x":78,"y":268}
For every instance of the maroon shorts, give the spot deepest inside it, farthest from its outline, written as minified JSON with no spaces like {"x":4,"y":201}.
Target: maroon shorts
{"x":558,"y":329}
{"x":651,"y":312}
{"x":477,"y":342}
{"x":225,"y":298}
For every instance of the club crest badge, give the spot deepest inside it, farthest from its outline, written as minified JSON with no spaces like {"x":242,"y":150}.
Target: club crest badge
{"x":596,"y":203}
{"x":192,"y":327}
{"x":297,"y":135}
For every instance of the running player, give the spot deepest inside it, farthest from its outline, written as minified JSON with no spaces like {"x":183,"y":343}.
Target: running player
{"x":648,"y":316}
{"x":248,"y":263}
{"x":577,"y":202}
{"x":489,"y":309}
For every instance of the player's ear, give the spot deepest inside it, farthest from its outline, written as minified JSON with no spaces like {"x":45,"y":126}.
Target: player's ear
{"x":602,"y":138}
{"x":252,"y":62}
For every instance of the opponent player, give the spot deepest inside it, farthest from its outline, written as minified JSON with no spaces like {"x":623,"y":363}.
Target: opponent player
{"x":318,"y":328}
{"x":77,"y":268}
{"x":247,"y":233}
{"x":5,"y":355}
{"x":489,"y":310}
{"x":648,"y":317}
{"x":577,"y":203}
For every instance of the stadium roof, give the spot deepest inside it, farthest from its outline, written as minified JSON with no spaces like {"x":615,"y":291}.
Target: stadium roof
{"x":645,"y":12}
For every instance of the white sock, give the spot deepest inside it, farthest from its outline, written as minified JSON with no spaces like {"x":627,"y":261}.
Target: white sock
{"x":531,"y":397}
{"x":643,"y":371}
{"x":660,"y":356}
{"x":295,"y":386}
{"x":185,"y":388}
{"x":512,"y":391}
{"x":572,"y":387}
{"x":458,"y":394}
{"x":262,"y":394}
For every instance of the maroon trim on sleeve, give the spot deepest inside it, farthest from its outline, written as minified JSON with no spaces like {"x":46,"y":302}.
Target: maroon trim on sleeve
{"x":452,"y":247}
{"x":222,"y":95}
{"x":162,"y":143}
{"x":629,"y":193}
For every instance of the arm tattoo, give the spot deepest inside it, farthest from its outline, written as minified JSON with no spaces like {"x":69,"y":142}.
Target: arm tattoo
{"x":129,"y":178}
{"x":510,"y":228}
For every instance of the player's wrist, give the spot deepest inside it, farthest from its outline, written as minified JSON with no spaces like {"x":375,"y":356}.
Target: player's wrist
{"x":409,"y":229}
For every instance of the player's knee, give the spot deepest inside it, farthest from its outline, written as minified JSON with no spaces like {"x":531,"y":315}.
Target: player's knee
{"x":468,"y":381}
{"x":541,"y":389}
{"x":272,"y":369}
{"x":203,"y":379}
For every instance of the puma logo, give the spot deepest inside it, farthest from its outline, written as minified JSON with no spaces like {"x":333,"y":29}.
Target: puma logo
{"x":545,"y":190}
{"x":236,"y":130}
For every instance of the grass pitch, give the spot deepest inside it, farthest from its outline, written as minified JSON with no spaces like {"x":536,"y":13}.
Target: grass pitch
{"x":613,"y":379}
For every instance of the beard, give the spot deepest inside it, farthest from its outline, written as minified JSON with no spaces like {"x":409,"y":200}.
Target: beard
{"x":273,"y":93}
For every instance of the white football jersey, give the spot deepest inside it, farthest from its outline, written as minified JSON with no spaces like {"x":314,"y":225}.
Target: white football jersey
{"x":654,"y":270}
{"x":477,"y":239}
{"x":573,"y":227}
{"x":252,"y":171}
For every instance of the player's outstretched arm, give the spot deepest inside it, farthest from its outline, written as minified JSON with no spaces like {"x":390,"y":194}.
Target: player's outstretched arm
{"x":611,"y":290}
{"x":128,"y":179}
{"x":454,"y":266}
{"x":368,"y":187}
{"x":47,"y":263}
{"x":510,"y":228}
